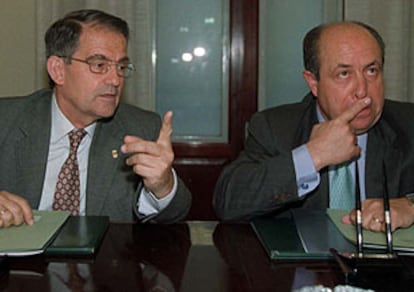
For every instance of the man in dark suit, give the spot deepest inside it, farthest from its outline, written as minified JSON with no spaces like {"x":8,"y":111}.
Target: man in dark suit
{"x":125,"y":158}
{"x":292,"y":151}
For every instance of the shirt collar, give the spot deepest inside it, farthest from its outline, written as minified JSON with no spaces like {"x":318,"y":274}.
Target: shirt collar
{"x":61,"y":126}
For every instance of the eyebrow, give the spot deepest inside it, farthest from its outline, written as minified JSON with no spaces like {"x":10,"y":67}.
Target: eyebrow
{"x":374,"y":63}
{"x":103,"y":57}
{"x":343,"y":66}
{"x":340,"y":65}
{"x":124,"y":59}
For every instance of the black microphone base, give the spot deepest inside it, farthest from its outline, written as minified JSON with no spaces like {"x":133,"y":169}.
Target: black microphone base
{"x":379,"y":272}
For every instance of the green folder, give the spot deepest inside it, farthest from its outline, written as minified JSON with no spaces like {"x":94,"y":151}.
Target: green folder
{"x":279,"y":238}
{"x":81,"y":235}
{"x":305,"y":234}
{"x":25,"y":240}
{"x":403,"y":238}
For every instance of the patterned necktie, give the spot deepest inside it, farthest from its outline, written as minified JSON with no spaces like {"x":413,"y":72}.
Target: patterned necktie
{"x":67,"y":194}
{"x":342,"y":188}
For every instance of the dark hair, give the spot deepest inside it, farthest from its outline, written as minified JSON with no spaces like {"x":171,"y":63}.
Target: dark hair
{"x":62,"y":37}
{"x":311,"y":46}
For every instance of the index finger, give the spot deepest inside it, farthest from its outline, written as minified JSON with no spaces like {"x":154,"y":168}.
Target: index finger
{"x":348,"y":115}
{"x":164,"y":136}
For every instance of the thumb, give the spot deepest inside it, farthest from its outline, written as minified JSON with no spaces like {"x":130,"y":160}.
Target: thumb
{"x":164,"y":136}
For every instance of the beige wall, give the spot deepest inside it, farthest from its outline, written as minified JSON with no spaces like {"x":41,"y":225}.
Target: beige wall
{"x":17,"y":47}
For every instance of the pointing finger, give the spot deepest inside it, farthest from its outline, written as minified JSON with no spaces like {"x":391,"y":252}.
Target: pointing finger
{"x":166,"y":129}
{"x":348,"y":115}
{"x":131,"y":139}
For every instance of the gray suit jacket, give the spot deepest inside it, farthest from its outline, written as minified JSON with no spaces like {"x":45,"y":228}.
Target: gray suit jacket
{"x":112,"y":187}
{"x":262,"y":179}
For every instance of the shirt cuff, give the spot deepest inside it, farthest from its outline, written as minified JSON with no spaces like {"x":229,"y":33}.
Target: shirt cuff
{"x":307,"y":178}
{"x":149,"y":204}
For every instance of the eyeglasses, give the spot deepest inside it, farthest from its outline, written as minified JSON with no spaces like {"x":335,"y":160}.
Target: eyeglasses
{"x":101,"y":65}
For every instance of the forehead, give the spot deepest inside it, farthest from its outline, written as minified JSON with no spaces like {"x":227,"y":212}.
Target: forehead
{"x":98,"y":40}
{"x":348,"y":43}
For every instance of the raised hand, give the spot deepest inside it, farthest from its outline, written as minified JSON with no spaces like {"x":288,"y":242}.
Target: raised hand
{"x":333,"y":142}
{"x":153,"y":160}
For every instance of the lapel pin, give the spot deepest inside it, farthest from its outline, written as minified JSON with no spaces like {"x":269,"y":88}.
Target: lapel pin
{"x":114,"y":153}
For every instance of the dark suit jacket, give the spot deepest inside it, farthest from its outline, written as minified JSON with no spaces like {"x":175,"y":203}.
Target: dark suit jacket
{"x":262,"y":179}
{"x":112,"y":187}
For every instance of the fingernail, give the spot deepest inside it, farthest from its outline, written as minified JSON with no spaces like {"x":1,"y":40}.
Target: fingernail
{"x":367,"y":100}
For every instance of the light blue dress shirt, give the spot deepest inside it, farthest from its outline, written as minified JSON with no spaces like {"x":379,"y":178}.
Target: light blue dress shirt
{"x":307,"y":178}
{"x":59,"y":147}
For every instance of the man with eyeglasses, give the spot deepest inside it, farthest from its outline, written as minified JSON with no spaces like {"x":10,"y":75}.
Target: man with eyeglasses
{"x":121,"y":161}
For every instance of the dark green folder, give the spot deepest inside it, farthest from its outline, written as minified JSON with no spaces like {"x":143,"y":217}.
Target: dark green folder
{"x":80,"y":235}
{"x":279,"y":237}
{"x":304,"y":234}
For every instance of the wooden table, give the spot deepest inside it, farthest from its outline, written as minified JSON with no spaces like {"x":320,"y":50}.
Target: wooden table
{"x":191,"y":256}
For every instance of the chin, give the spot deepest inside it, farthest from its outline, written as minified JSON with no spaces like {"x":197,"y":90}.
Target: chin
{"x":106,"y":113}
{"x":361,"y":128}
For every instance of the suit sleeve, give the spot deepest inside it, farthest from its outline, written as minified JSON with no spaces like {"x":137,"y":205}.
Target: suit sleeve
{"x":262,"y":179}
{"x":176,"y":210}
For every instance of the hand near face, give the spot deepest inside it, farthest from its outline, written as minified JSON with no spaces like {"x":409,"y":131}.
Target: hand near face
{"x":153,"y":160}
{"x":333,"y":142}
{"x":402,"y":214}
{"x":14,"y":210}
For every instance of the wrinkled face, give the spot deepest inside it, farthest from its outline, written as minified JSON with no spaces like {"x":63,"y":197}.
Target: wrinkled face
{"x":350,"y":69}
{"x":84,"y":96}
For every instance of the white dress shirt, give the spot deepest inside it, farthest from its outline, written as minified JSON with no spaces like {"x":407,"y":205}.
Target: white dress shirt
{"x":59,"y":147}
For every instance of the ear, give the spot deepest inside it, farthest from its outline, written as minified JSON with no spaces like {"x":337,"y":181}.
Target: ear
{"x":312,"y":82}
{"x":55,"y":67}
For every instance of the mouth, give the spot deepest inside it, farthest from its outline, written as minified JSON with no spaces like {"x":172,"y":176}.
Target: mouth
{"x":366,"y":112}
{"x":108,"y":91}
{"x":108,"y":95}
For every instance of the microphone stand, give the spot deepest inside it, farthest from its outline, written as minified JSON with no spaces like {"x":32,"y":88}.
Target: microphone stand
{"x":367,"y":269}
{"x":387,"y":215}
{"x":359,"y":233}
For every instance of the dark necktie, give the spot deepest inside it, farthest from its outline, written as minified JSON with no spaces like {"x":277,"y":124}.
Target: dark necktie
{"x":67,"y":193}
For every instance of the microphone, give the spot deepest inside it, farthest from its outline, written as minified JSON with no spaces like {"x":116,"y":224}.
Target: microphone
{"x":387,"y":215}
{"x":359,"y":233}
{"x":360,"y":269}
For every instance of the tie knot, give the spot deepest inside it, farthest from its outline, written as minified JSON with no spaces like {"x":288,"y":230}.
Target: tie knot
{"x":75,"y":137}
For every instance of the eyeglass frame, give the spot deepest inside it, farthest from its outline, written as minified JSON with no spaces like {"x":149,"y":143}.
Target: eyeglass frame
{"x":130,"y":68}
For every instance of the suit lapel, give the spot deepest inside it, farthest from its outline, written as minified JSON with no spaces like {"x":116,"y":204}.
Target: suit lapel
{"x":309,"y":119}
{"x":382,"y":154}
{"x":103,"y":164}
{"x":33,"y":146}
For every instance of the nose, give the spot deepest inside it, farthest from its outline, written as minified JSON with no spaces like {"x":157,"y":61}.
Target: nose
{"x":361,"y":86}
{"x":112,"y":77}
